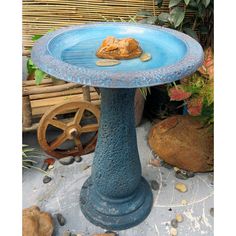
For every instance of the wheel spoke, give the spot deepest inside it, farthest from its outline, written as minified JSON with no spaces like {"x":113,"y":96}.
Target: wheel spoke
{"x":78,"y":115}
{"x":89,"y":128}
{"x":58,"y":141}
{"x":78,"y":144}
{"x":57,"y":123}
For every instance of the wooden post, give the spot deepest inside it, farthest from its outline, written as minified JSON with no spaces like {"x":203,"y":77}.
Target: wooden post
{"x":86,"y":93}
{"x":26,"y":112}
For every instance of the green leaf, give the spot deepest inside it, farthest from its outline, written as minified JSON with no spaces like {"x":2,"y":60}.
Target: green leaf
{"x":30,"y":66}
{"x":186,"y":2}
{"x":143,"y":21}
{"x":51,"y":30}
{"x":151,"y":20}
{"x":159,"y":3}
{"x":164,"y":17}
{"x":144,"y":13}
{"x":193,"y":4}
{"x":177,"y":16}
{"x":39,"y":75}
{"x":191,"y":33}
{"x":173,"y":3}
{"x":203,"y":29}
{"x":206,"y":3}
{"x":36,"y":37}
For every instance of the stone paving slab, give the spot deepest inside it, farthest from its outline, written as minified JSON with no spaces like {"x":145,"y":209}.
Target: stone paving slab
{"x":62,"y":195}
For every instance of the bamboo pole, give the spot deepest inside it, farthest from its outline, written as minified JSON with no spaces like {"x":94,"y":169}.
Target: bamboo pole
{"x":86,"y":93}
{"x":26,"y":112}
{"x":49,"y":89}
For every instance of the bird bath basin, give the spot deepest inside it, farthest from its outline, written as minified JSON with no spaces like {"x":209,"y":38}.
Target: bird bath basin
{"x":116,"y":196}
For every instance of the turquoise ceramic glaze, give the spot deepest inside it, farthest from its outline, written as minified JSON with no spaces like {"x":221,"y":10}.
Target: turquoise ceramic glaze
{"x":116,"y":196}
{"x":70,"y":54}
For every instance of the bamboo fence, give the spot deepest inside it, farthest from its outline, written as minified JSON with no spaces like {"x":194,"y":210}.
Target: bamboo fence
{"x":39,"y":16}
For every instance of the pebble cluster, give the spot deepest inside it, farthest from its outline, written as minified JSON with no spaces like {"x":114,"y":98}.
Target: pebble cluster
{"x":179,"y":186}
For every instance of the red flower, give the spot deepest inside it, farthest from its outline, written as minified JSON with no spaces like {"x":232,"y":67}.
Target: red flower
{"x":194,"y":106}
{"x":178,"y":94}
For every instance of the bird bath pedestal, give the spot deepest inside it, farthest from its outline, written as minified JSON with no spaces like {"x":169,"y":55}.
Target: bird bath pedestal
{"x":116,"y":196}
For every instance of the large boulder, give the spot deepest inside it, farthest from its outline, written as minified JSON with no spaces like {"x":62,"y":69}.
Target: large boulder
{"x":36,"y":222}
{"x":182,"y":142}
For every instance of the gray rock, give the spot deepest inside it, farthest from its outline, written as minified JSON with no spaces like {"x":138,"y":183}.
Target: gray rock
{"x":45,"y":166}
{"x":164,"y":184}
{"x":112,"y":232}
{"x":67,"y":160}
{"x":166,"y":165}
{"x":211,"y":179}
{"x":61,"y":220}
{"x":67,"y":233}
{"x":46,"y":179}
{"x":180,"y":175}
{"x":212,"y":212}
{"x":190,"y":174}
{"x":154,"y":185}
{"x":78,"y":158}
{"x":174,"y":223}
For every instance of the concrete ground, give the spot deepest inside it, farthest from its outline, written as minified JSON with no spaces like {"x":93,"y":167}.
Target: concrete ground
{"x":61,"y":195}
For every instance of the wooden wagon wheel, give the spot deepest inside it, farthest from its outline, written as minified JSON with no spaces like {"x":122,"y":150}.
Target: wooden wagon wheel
{"x":70,"y":129}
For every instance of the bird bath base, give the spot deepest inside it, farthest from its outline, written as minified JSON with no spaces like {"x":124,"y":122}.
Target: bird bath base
{"x":116,"y":196}
{"x":116,"y":214}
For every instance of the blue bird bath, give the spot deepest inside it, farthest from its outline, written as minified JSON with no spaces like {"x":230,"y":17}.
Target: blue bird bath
{"x":116,"y":196}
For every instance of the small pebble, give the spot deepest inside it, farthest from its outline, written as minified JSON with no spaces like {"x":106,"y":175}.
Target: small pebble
{"x":211,"y":179}
{"x":176,"y":169}
{"x":180,"y":175}
{"x":190,"y":174}
{"x":174,"y":223}
{"x":46,"y":179}
{"x":173,"y":231}
{"x":67,"y":160}
{"x":60,"y":218}
{"x":107,"y":62}
{"x":106,"y":234}
{"x":166,"y":165}
{"x":112,"y":232}
{"x":154,"y":185}
{"x":86,"y":167}
{"x":179,"y":218}
{"x":78,"y":158}
{"x":50,"y":161}
{"x":67,"y":233}
{"x":155,"y":162}
{"x":184,"y":202}
{"x":164,"y":184}
{"x":50,"y":167}
{"x":212,"y":212}
{"x":181,"y":187}
{"x":45,"y":166}
{"x":145,"y":57}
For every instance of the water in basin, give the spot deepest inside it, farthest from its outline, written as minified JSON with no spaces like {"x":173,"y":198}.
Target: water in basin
{"x":80,"y":48}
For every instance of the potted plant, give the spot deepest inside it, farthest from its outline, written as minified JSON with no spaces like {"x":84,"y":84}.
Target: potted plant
{"x":197,"y":91}
{"x":34,"y":73}
{"x":186,"y":141}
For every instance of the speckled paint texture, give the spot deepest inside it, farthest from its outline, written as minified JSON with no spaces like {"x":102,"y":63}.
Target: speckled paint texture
{"x":116,"y":196}
{"x":49,"y":52}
